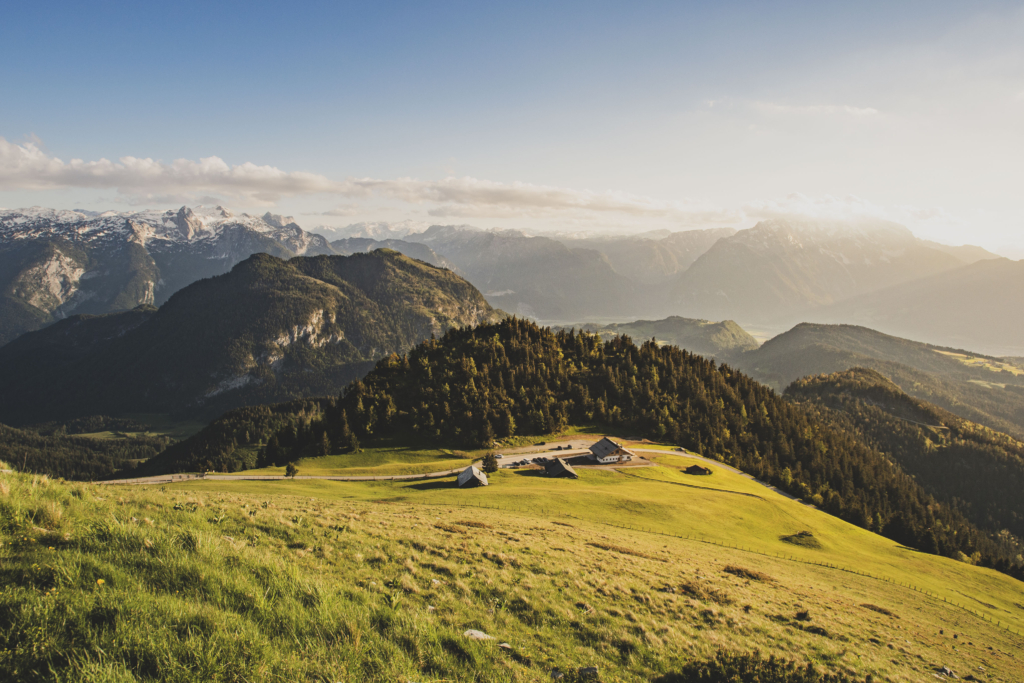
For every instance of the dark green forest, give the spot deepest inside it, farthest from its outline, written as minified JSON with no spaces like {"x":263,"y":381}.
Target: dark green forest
{"x":268,"y":331}
{"x":52,"y":451}
{"x":476,"y":385}
{"x":976,"y":469}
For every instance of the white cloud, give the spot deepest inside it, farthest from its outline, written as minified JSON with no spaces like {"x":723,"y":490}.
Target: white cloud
{"x":341,"y":210}
{"x":28,"y":167}
{"x":850,"y":207}
{"x":814,"y":110}
{"x":464,"y":197}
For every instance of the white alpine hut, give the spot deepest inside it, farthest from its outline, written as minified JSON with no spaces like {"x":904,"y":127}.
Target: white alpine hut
{"x":607,"y":451}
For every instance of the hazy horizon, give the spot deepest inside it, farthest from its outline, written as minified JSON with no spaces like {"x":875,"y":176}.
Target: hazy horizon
{"x":549,"y":119}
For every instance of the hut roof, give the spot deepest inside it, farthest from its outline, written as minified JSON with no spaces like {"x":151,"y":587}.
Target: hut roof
{"x":606,"y":447}
{"x":556,"y":467}
{"x":471,"y":476}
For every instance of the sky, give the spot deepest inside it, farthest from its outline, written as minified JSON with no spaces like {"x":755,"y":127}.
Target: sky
{"x":548,"y":116}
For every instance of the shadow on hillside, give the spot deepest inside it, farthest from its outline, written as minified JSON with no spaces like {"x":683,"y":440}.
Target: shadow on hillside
{"x":530,"y":473}
{"x":435,"y":484}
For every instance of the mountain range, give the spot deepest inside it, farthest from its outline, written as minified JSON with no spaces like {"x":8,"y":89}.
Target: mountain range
{"x":57,"y":263}
{"x":268,"y":330}
{"x":974,"y":306}
{"x":772,"y":275}
{"x":778,"y":271}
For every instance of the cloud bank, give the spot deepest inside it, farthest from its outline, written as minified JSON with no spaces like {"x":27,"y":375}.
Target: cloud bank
{"x":27,"y":167}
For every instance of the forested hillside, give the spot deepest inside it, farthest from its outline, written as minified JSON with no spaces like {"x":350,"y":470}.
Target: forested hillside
{"x":270,"y":330}
{"x":477,"y":384}
{"x":54,"y":452}
{"x":979,"y":388}
{"x":723,"y":339}
{"x":962,"y":463}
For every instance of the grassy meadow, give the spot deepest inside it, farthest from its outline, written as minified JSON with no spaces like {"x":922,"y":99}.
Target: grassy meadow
{"x":385,"y":461}
{"x":378,"y":581}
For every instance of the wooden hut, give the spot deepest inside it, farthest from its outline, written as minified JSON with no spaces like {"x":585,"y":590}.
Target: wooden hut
{"x":557,"y":467}
{"x":471,"y":477}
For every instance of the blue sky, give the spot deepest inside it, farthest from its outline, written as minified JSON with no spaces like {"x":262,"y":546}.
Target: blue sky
{"x":543,"y":116}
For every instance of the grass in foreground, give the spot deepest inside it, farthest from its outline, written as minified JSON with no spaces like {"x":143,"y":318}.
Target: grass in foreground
{"x":327,"y":581}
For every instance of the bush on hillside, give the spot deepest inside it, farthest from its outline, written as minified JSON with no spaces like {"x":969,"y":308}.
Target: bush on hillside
{"x":728,"y":667}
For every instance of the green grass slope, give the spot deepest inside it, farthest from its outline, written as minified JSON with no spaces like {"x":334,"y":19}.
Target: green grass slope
{"x":644,"y":577}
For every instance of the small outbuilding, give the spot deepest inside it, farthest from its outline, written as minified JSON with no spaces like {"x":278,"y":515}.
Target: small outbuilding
{"x":557,"y":467}
{"x":697,"y":469}
{"x":471,"y":477}
{"x":607,"y":451}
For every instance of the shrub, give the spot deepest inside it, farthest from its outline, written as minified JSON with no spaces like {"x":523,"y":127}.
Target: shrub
{"x":749,"y":668}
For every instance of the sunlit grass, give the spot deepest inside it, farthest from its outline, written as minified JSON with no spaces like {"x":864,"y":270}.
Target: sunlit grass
{"x":377,"y":581}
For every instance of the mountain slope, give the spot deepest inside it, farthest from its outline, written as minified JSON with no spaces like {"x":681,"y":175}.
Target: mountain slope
{"x":533,"y":276}
{"x":958,"y":461}
{"x":74,"y":457}
{"x":314,"y":581}
{"x":778,"y":270}
{"x":356,"y":245}
{"x":715,"y":340}
{"x":495,"y":381}
{"x":979,"y":388}
{"x":968,"y":253}
{"x":268,"y":330}
{"x":55,"y":263}
{"x":652,"y":260}
{"x":975,"y":306}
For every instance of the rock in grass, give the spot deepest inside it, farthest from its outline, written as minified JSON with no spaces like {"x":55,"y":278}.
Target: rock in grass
{"x":588,"y":673}
{"x":473,"y":634}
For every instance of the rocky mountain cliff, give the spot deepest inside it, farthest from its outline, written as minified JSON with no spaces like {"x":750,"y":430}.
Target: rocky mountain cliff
{"x":268,"y":330}
{"x":58,"y":263}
